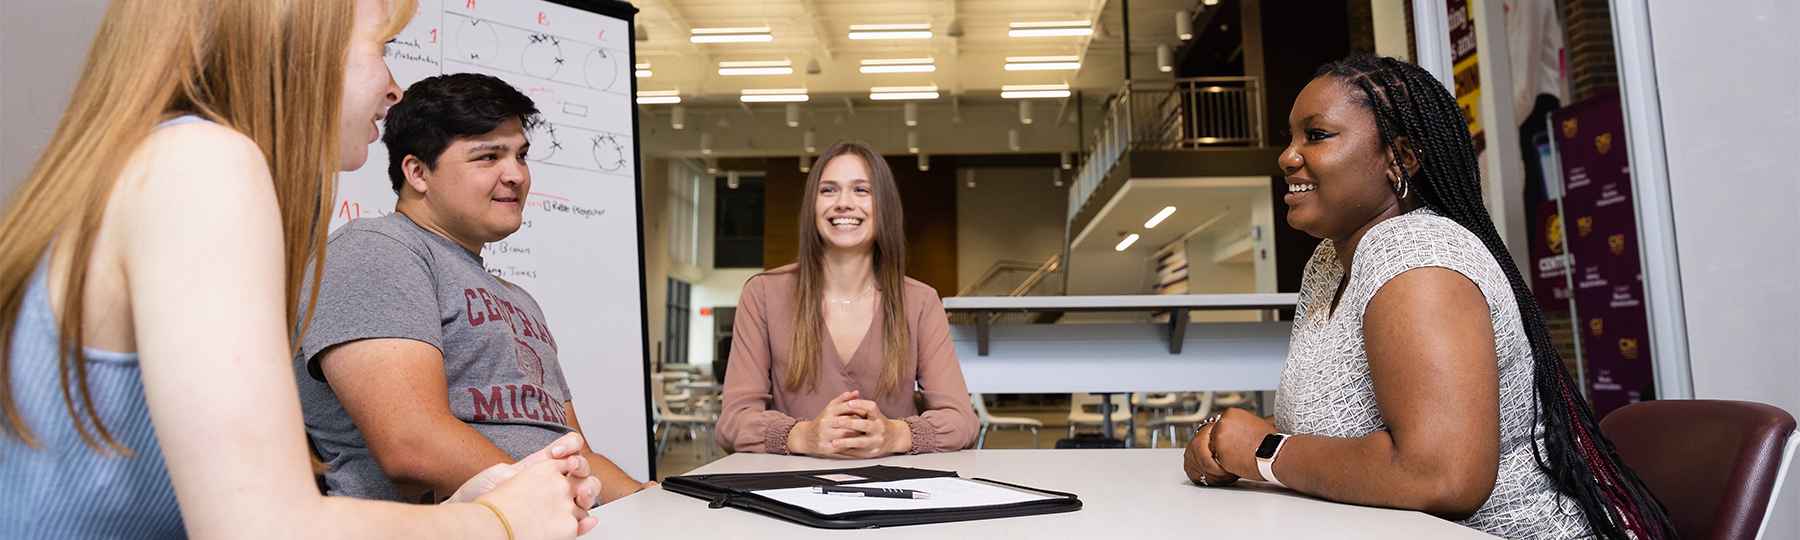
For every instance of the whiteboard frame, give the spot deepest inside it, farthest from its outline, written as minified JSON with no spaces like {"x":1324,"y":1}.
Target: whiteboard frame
{"x":624,"y":11}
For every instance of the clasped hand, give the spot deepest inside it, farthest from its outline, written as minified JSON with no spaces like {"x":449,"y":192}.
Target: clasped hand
{"x":572,"y":479}
{"x":1225,"y":449}
{"x":850,"y":428}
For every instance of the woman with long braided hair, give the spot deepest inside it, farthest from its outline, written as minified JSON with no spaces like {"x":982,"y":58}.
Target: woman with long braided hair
{"x":1420,"y":374}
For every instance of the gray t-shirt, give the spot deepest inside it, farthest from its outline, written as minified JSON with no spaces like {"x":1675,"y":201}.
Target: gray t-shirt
{"x":386,"y":277}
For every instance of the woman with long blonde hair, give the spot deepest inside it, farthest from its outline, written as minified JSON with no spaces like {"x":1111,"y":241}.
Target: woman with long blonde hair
{"x":149,"y":274}
{"x":827,"y":352}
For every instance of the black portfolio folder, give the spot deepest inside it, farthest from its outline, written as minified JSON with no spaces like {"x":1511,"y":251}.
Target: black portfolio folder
{"x":738,"y":490}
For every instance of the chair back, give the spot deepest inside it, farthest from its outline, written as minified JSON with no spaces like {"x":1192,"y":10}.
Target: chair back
{"x":1713,"y":464}
{"x":659,"y":396}
{"x":981,"y":411}
{"x":1078,"y":404}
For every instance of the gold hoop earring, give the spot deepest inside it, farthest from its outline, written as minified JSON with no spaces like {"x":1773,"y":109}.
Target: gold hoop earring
{"x":1401,"y":186}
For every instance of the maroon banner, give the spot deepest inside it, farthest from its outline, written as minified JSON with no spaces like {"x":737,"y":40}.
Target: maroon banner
{"x":1603,"y":241}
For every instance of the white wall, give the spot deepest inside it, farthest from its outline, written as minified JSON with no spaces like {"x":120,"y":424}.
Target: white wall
{"x":1206,"y":275}
{"x":1390,"y":28}
{"x":655,"y":189}
{"x":1100,"y":270}
{"x":1262,"y":223}
{"x":42,"y":48}
{"x":1730,"y":93}
{"x":720,"y":288}
{"x":1010,"y":214}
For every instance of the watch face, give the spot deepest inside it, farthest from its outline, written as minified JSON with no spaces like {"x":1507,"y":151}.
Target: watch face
{"x":1269,"y":444}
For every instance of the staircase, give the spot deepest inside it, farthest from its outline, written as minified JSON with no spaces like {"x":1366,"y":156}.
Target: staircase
{"x":1016,"y":278}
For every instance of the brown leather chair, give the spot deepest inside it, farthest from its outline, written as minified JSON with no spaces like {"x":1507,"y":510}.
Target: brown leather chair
{"x":1712,"y":463}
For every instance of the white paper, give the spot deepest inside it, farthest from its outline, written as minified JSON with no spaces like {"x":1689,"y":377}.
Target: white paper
{"x":946,"y":492}
{"x":840,"y":478}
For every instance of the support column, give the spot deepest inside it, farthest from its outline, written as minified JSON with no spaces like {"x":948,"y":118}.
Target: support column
{"x":1503,"y":168}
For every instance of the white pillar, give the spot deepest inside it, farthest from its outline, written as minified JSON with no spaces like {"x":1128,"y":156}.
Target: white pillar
{"x":1432,"y":28}
{"x":1503,"y":168}
{"x":1390,"y":28}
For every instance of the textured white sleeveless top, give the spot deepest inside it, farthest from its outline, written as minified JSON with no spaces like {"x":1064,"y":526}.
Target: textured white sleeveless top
{"x":1326,"y":388}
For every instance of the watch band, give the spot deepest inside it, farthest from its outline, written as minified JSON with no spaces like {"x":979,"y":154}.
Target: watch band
{"x":1265,"y":457}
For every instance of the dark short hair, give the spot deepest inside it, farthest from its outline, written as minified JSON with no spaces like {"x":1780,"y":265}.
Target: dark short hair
{"x":438,"y":110}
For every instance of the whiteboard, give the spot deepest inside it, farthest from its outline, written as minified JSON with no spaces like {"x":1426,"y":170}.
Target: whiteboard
{"x":578,"y":251}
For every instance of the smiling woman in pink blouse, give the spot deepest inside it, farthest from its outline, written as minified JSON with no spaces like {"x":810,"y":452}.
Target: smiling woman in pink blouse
{"x":828,"y":352}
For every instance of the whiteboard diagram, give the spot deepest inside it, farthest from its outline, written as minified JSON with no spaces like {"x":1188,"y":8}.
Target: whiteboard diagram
{"x":602,"y":68}
{"x":577,"y":250}
{"x":535,"y":53}
{"x":568,"y":145}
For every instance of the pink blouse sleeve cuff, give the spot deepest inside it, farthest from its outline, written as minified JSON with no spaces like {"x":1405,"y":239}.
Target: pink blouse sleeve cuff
{"x":775,"y":433}
{"x":924,"y":436}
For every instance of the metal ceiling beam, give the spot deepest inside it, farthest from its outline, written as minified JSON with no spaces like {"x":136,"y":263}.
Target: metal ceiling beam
{"x":821,"y":38}
{"x":1098,"y":9}
{"x":674,"y":17}
{"x":951,"y":45}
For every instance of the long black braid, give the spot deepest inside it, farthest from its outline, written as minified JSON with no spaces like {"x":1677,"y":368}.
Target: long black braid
{"x":1408,"y":102}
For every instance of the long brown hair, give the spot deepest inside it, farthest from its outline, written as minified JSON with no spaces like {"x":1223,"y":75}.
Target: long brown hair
{"x":890,"y":273}
{"x":270,"y":69}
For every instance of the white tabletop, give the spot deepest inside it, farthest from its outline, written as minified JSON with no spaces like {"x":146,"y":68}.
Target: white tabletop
{"x":1123,"y":493}
{"x":1124,"y":302}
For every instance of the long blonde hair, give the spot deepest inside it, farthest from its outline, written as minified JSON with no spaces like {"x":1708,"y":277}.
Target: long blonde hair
{"x":270,"y":69}
{"x":890,"y":273}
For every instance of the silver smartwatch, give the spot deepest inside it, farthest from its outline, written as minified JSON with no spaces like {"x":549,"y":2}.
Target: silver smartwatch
{"x":1266,"y":454}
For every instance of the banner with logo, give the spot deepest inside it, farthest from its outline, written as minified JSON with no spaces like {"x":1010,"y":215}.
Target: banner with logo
{"x":1602,"y":238}
{"x":1466,"y":67}
{"x":1549,"y":256}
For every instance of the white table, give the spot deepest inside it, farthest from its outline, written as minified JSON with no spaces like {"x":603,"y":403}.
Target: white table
{"x":1124,"y":493}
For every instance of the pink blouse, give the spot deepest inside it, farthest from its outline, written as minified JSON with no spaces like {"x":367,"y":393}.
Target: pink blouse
{"x":759,"y":411}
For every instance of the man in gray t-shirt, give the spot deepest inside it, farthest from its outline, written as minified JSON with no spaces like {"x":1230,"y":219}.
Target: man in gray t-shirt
{"x":419,"y":369}
{"x":386,"y":278}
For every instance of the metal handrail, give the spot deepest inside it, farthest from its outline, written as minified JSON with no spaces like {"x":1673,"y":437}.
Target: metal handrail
{"x":1050,"y":266}
{"x":994,"y":271}
{"x":1183,"y":114}
{"x":1039,"y":273}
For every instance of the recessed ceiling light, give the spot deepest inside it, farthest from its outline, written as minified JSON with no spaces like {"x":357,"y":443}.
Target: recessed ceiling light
{"x":898,"y":65}
{"x":1050,"y":28}
{"x":912,"y":68}
{"x":1159,"y":217}
{"x":890,"y":31}
{"x":757,"y":67}
{"x":1126,"y":243}
{"x":1042,"y":63}
{"x":740,"y":34}
{"x":658,"y":97}
{"x":773,"y":95}
{"x":1027,"y":91}
{"x":902,"y":93}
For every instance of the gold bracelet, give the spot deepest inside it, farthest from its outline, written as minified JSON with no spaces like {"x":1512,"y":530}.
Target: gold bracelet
{"x":503,"y":523}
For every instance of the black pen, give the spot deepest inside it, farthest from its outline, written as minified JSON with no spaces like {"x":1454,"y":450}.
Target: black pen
{"x":885,"y":493}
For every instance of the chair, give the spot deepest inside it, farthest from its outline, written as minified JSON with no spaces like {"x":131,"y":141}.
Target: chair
{"x":1157,"y":403}
{"x":1079,"y":416}
{"x":1234,"y":399}
{"x":677,"y":397}
{"x":1716,"y":465}
{"x":1173,"y":420}
{"x":667,"y":418}
{"x":988,"y":420}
